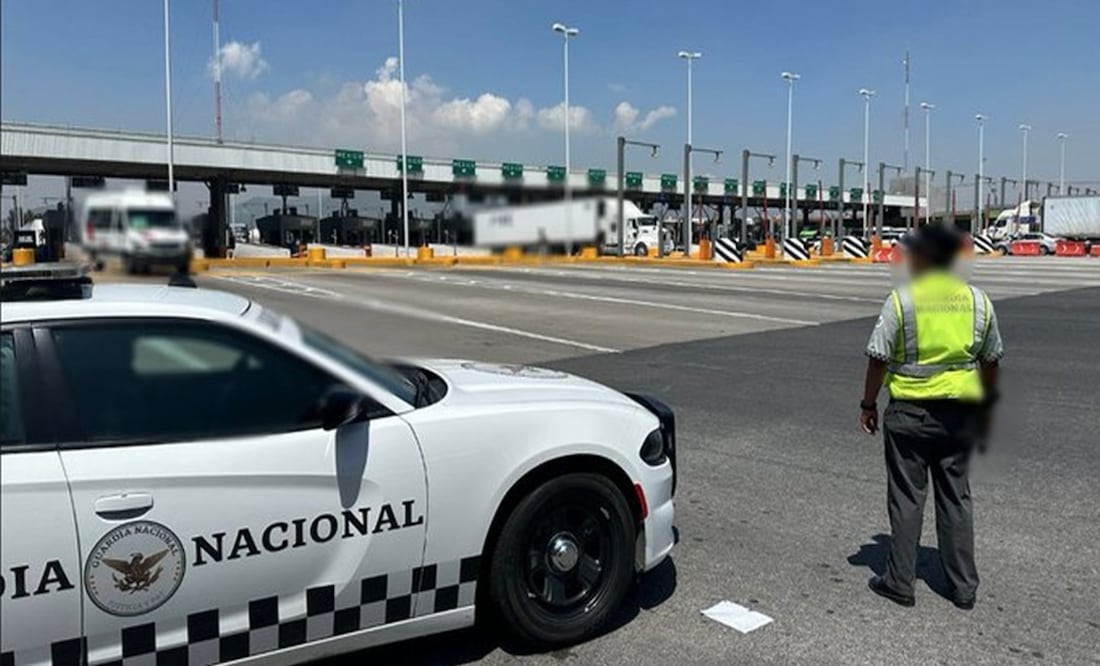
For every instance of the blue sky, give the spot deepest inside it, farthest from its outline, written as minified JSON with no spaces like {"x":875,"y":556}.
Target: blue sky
{"x":485,"y":75}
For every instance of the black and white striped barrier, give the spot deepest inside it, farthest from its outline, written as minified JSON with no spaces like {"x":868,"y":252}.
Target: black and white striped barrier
{"x":795,"y":250}
{"x":854,"y":247}
{"x":727,"y":252}
{"x":983,"y":245}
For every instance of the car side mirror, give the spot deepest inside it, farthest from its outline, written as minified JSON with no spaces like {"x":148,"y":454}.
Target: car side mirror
{"x":340,"y":406}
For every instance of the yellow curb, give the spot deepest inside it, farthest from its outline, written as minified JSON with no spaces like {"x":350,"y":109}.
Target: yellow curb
{"x":862,"y":260}
{"x":478,"y":260}
{"x":378,"y":261}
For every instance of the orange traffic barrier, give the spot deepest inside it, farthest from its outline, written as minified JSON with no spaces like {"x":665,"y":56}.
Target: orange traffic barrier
{"x":424,"y":252}
{"x":876,"y":243}
{"x":317,"y":254}
{"x":886,"y":255}
{"x":1026,"y":248}
{"x":22,"y":256}
{"x":827,"y":246}
{"x":1069,"y":248}
{"x":1095,"y":250}
{"x":704,"y":249}
{"x":769,"y":248}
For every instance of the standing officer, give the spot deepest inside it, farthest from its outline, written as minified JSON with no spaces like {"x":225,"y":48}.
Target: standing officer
{"x":937,"y":346}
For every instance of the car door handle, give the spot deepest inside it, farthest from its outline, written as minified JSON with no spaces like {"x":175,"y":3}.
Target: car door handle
{"x":123,"y":506}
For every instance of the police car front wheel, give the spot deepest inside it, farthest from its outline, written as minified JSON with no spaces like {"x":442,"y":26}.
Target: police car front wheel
{"x":564,"y":560}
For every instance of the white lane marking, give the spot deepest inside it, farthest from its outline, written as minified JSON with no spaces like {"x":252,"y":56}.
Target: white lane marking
{"x":300,"y":289}
{"x":721,"y":287}
{"x":653,"y":304}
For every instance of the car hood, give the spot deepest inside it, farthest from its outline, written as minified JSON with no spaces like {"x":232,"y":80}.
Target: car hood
{"x":476,"y":382}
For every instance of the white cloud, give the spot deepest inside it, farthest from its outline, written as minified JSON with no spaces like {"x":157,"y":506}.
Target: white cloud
{"x":626,"y":117}
{"x":241,"y":60}
{"x":368,"y":113}
{"x":580,"y":118}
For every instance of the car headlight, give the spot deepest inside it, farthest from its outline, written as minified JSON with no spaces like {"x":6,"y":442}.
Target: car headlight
{"x":653,"y":448}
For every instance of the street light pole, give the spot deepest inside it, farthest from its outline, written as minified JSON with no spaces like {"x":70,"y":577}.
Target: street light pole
{"x":882,"y":167}
{"x":404,"y":146}
{"x":745,"y":155}
{"x":1062,"y":136}
{"x":927,"y":160}
{"x":566,"y":33}
{"x":1025,"y":128}
{"x":621,"y":145}
{"x":168,"y":99}
{"x":976,"y":226}
{"x":867,"y":95}
{"x":688,"y":150}
{"x":790,"y":78}
{"x":689,"y":56}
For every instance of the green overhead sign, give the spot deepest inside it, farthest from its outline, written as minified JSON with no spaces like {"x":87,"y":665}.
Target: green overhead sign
{"x":463,"y":168}
{"x":877,"y":196}
{"x":634,"y":180}
{"x":597,"y":177}
{"x":731,"y":185}
{"x":348,"y":159}
{"x":811,"y":191}
{"x":834,"y":193}
{"x":555,"y":174}
{"x":511,"y":170}
{"x":759,"y":188}
{"x":783,"y":190}
{"x":668,"y":181}
{"x":414,"y":162}
{"x":701,"y":184}
{"x":855,"y":194}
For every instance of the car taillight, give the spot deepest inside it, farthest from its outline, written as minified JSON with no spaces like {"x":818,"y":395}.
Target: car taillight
{"x":89,"y":231}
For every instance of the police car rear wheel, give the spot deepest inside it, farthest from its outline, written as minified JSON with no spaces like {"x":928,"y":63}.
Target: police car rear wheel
{"x":564,"y":560}
{"x":640,"y":250}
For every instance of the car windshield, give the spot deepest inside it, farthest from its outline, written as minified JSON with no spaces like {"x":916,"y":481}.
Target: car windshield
{"x":379,"y":373}
{"x":141,"y":219}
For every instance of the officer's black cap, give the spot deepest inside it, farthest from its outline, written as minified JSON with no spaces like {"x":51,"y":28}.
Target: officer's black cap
{"x":935,"y":242}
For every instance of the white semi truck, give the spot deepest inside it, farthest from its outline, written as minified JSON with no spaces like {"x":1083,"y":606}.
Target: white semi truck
{"x":1076,"y":218}
{"x":589,"y":221}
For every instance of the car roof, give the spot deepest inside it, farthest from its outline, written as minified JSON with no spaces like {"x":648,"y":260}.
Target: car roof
{"x":133,"y":300}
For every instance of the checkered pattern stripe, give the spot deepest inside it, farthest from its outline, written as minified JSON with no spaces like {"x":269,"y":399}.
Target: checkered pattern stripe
{"x":270,"y":623}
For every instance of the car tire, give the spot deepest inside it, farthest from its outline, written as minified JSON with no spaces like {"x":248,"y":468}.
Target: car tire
{"x":640,"y":250}
{"x":1044,"y":251}
{"x":128,"y":265}
{"x":564,"y":560}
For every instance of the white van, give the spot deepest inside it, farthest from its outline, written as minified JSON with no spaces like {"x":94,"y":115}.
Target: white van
{"x":141,"y":228}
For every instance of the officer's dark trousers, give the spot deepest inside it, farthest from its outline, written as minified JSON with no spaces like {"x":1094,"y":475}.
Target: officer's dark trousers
{"x":934,"y":437}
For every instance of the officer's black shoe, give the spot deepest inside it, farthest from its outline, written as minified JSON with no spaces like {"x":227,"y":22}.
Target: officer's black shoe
{"x":964,"y":604}
{"x":879,"y":587}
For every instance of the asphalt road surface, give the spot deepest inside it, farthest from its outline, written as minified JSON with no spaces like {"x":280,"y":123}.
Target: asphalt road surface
{"x":781,"y":503}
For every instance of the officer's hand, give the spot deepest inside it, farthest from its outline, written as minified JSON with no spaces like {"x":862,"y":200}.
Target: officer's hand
{"x":868,"y":421}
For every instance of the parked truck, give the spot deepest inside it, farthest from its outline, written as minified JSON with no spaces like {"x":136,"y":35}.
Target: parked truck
{"x":1073,"y":218}
{"x":589,"y":221}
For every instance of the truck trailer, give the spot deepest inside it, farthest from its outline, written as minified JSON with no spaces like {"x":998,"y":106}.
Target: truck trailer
{"x":588,"y":221}
{"x":1073,"y":217}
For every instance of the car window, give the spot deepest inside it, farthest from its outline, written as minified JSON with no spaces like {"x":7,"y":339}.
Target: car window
{"x":161,"y":381}
{"x":11,"y":407}
{"x":142,"y":219}
{"x":100,"y":218}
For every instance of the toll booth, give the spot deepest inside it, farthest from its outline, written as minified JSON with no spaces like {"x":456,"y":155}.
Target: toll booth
{"x":287,"y":229}
{"x":349,"y":228}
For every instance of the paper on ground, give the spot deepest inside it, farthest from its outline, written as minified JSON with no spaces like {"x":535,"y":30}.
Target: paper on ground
{"x":737,"y":616}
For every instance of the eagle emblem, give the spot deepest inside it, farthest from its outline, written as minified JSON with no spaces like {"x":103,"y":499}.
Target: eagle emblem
{"x":137,"y":573}
{"x":134,"y":568}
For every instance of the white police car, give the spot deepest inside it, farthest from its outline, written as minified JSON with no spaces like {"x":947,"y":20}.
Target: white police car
{"x":190,"y":478}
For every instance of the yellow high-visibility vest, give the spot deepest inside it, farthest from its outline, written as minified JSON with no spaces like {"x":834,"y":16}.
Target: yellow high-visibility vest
{"x":943,"y":325}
